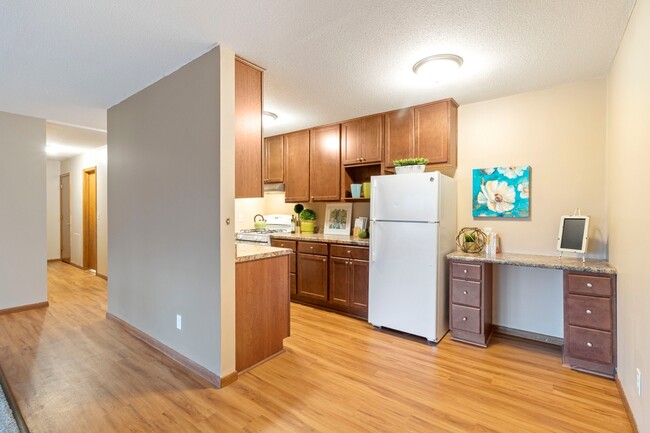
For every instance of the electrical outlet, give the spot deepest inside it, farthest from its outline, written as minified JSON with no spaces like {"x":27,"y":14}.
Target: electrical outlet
{"x":179,"y":322}
{"x":639,"y":382}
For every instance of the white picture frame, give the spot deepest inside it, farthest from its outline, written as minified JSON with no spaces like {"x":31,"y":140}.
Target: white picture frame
{"x":338,"y":218}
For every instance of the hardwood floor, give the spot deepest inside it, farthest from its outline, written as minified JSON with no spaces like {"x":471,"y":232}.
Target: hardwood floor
{"x":71,"y":370}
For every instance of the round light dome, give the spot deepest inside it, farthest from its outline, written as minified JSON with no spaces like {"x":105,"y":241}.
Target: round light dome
{"x":438,"y":67}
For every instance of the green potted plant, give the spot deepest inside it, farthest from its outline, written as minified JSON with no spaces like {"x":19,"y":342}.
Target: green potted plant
{"x":307,"y":218}
{"x":410,"y":165}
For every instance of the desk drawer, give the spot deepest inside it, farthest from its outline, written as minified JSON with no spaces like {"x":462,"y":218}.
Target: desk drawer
{"x":589,"y":285}
{"x":589,"y":312}
{"x":590,"y":345}
{"x":312,"y":248}
{"x":347,"y":251}
{"x":466,"y":318}
{"x":281,"y":243}
{"x":466,"y":271}
{"x":466,"y":292}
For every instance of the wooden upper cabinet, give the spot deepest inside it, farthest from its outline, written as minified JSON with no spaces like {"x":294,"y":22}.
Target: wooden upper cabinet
{"x":325,"y":163}
{"x":248,"y":130}
{"x":435,"y":132}
{"x":296,"y":166}
{"x":362,"y":140}
{"x":398,"y":131}
{"x":273,"y":159}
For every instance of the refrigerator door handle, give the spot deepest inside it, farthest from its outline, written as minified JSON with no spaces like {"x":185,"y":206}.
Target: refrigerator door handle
{"x":373,"y":200}
{"x":372,"y":241}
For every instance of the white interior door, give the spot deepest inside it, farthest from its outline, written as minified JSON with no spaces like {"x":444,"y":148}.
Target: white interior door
{"x":403,"y":277}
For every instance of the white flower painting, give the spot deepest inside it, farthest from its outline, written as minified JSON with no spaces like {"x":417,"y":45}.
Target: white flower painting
{"x":501,"y":192}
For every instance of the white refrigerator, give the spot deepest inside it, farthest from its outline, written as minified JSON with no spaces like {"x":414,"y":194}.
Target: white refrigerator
{"x":412,"y":229}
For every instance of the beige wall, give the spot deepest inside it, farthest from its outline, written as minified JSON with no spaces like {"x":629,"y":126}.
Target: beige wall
{"x":560,"y":133}
{"x":167,"y":216}
{"x":628,"y":176}
{"x":53,"y":183}
{"x":75,"y":166}
{"x":23,"y":237}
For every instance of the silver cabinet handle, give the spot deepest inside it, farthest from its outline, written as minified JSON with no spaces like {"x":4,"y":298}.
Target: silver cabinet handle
{"x":590,"y":285}
{"x":464,"y":319}
{"x":588,"y":311}
{"x":349,"y":251}
{"x":464,"y":292}
{"x":464,"y":271}
{"x":589,"y":344}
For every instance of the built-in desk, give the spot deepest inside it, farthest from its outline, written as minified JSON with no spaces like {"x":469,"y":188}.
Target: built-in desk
{"x":589,"y":305}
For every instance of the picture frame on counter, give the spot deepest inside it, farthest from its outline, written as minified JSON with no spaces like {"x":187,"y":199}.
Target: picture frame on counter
{"x":338,"y":218}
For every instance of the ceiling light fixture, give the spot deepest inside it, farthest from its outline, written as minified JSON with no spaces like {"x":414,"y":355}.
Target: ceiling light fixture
{"x":269,"y":115}
{"x":439,"y":66}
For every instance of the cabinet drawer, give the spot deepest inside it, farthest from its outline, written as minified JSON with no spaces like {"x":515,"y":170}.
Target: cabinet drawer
{"x":312,"y":248}
{"x":466,"y":292}
{"x":465,"y":270}
{"x":466,"y":318}
{"x":281,"y":243}
{"x":347,"y":251}
{"x":590,"y":312}
{"x":590,"y":345}
{"x":589,"y":285}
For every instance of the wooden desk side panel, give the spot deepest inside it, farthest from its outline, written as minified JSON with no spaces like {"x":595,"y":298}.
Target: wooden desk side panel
{"x":262,"y":309}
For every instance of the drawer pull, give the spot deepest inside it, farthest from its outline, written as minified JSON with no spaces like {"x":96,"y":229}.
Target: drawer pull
{"x":464,"y":292}
{"x":464,"y":271}
{"x":590,"y":285}
{"x":349,"y":251}
{"x":464,"y":319}
{"x":589,"y":344}
{"x":588,"y":311}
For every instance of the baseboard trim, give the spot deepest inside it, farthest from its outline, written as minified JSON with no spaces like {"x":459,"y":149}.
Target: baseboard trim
{"x":53,"y":260}
{"x":626,"y":404}
{"x":182,"y":360}
{"x":555,"y":341}
{"x":102,"y":276}
{"x":24,"y":308}
{"x":11,"y":401}
{"x":74,"y":264}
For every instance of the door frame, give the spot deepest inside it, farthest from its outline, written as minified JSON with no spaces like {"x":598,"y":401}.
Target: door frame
{"x":61,"y":218}
{"x":86,"y":220}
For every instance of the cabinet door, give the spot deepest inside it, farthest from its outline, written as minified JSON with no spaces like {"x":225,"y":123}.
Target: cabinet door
{"x":273,"y":160}
{"x":359,"y":270}
{"x":312,"y":276}
{"x":351,"y":142}
{"x":435,"y":138}
{"x":372,"y":138}
{"x":325,"y":163}
{"x":248,"y":131}
{"x":339,"y":281}
{"x":296,"y":174}
{"x":398,"y":132}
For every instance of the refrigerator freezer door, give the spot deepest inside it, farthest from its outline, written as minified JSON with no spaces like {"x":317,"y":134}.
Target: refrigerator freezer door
{"x":405,"y":197}
{"x":403,"y":282}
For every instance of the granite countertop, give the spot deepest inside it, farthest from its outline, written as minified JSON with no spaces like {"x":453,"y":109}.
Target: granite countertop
{"x":538,"y":261}
{"x":248,"y":252}
{"x":320,"y":237}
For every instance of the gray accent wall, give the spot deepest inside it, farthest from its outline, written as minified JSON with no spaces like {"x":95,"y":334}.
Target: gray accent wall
{"x":23,"y":237}
{"x":164,"y":195}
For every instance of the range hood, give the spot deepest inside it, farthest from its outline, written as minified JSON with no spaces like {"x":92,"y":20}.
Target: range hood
{"x":274,"y":187}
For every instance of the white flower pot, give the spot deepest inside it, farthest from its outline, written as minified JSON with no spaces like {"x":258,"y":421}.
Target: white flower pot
{"x":406,"y":169}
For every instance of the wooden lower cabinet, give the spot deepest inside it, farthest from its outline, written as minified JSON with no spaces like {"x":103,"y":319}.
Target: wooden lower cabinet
{"x":349,"y":285}
{"x":281,"y":243}
{"x":312,"y":276}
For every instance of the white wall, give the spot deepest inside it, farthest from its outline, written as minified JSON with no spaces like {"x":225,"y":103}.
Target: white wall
{"x":75,"y":166}
{"x":23,"y":237}
{"x":170,"y":251}
{"x":560,"y":133}
{"x":628,"y":176}
{"x":53,"y":210}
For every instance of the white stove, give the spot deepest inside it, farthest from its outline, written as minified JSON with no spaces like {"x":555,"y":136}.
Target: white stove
{"x":274,"y":224}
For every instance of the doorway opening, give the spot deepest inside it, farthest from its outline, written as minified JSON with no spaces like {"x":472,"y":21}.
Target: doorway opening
{"x":64,"y":183}
{"x":90,"y":218}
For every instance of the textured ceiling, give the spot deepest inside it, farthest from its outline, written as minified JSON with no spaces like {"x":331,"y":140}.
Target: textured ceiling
{"x":326,"y":61}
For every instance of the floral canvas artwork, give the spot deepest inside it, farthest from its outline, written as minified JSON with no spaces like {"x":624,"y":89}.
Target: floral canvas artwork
{"x":501,"y":192}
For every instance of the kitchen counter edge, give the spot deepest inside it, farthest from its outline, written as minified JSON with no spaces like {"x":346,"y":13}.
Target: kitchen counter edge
{"x":320,"y":237}
{"x":538,"y":261}
{"x":247,"y":253}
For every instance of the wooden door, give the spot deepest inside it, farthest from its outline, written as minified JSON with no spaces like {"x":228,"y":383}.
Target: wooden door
{"x":248,"y":130}
{"x":351,"y":142}
{"x":359,"y":270}
{"x":325,"y":163}
{"x":90,"y":218}
{"x":273,"y":160}
{"x":312,"y":276}
{"x":296,"y":166}
{"x":433,"y":135}
{"x":339,"y":281}
{"x":372,"y":138}
{"x":65,"y":217}
{"x":398,"y":132}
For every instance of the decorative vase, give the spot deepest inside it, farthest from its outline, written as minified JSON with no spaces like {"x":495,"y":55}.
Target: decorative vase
{"x":307,"y":226}
{"x":407,"y":169}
